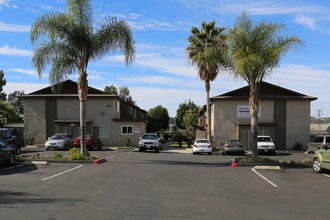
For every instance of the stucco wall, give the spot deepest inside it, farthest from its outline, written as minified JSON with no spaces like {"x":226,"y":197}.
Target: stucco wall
{"x":226,"y":119}
{"x":35,"y":110}
{"x":298,"y":123}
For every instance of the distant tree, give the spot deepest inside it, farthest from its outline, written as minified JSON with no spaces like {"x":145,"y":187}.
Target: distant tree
{"x":190,"y":120}
{"x":255,"y":51}
{"x":123,"y":93}
{"x":158,"y":119}
{"x":16,"y":104}
{"x":3,"y":82}
{"x":181,"y":111}
{"x":7,"y":113}
{"x":111,"y":90}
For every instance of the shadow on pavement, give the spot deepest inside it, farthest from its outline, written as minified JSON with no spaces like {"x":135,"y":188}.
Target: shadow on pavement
{"x":17,"y":168}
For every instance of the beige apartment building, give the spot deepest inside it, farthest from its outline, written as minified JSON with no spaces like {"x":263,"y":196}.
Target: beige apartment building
{"x":283,"y":114}
{"x":108,"y":116}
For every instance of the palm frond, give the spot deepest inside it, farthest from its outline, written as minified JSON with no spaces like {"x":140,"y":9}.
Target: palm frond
{"x":114,"y":35}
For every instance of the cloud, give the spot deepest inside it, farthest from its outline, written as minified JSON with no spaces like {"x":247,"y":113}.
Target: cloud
{"x":26,"y":71}
{"x":14,"y":28}
{"x":26,"y":87}
{"x":170,"y":65}
{"x":305,"y":21}
{"x":6,"y":50}
{"x":6,"y":3}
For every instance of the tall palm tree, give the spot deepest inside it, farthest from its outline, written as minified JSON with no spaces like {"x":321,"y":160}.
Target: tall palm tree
{"x":254,"y":51}
{"x":67,"y":42}
{"x":205,"y":51}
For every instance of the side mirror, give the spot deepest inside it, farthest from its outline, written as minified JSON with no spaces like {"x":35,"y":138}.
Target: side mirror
{"x":48,"y":138}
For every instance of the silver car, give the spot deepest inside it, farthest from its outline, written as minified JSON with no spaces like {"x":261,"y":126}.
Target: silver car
{"x":318,"y":142}
{"x":59,"y":141}
{"x":232,"y":146}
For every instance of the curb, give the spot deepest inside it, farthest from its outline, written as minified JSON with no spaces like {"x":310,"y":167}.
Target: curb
{"x":99,"y":161}
{"x":267,"y":168}
{"x":35,"y":162}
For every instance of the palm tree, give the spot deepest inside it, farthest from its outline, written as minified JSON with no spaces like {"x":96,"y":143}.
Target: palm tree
{"x":67,"y":42}
{"x":205,"y":51}
{"x":254,"y":51}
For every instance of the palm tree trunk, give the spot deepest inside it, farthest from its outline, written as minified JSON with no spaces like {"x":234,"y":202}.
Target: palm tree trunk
{"x":208,"y":110}
{"x":254,"y":111}
{"x":82,"y":93}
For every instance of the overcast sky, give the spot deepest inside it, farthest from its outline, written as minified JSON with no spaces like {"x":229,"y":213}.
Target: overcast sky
{"x":161,"y":73}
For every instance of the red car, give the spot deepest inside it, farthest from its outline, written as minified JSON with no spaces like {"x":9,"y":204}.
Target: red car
{"x":92,"y":142}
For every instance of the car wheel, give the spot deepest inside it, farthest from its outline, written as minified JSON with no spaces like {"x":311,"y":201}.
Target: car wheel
{"x":100,"y":147}
{"x":140,"y":149}
{"x":157,"y":150}
{"x":210,"y":153}
{"x":11,"y":159}
{"x":317,"y":166}
{"x":194,"y":153}
{"x":243,"y":153}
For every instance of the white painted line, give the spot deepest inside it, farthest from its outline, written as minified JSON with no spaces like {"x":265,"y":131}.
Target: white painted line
{"x":109,"y":157}
{"x":10,"y":168}
{"x":34,"y":162}
{"x":270,"y":182}
{"x":326,"y":175}
{"x":62,"y":173}
{"x":267,"y":168}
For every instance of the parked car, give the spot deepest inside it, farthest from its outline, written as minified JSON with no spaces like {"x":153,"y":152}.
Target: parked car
{"x":232,"y":146}
{"x":11,"y":136}
{"x":92,"y":142}
{"x":265,"y":144}
{"x":321,"y":159}
{"x":149,"y":141}
{"x":202,"y":146}
{"x":318,"y":142}
{"x":59,"y":141}
{"x":7,"y":153}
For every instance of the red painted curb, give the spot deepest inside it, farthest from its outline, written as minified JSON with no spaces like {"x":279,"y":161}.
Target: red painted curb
{"x":233,"y":164}
{"x":99,"y":161}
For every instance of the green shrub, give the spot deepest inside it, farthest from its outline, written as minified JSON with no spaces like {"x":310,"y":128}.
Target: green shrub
{"x":74,"y":154}
{"x":30,"y":140}
{"x":166,"y":136}
{"x":58,"y":156}
{"x":179,"y":137}
{"x":127,"y":142}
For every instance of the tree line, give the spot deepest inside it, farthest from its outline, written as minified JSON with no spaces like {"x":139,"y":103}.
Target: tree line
{"x":11,"y":107}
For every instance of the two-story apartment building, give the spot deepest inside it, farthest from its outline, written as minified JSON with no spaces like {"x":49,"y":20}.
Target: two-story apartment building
{"x":108,"y":116}
{"x":283,"y":114}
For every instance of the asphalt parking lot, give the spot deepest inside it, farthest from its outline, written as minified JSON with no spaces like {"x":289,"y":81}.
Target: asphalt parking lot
{"x":169,"y":185}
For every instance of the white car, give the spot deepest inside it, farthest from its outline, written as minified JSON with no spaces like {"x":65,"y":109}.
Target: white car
{"x":265,"y":144}
{"x":202,"y":146}
{"x":59,"y":141}
{"x":149,"y":141}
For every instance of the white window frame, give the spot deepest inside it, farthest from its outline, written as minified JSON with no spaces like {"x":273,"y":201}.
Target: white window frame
{"x":100,"y":133}
{"x":127,"y":126}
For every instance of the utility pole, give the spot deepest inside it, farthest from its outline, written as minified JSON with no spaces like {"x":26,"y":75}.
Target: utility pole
{"x":318,"y":118}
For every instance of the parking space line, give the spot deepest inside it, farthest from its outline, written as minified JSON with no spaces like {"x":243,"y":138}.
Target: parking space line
{"x":326,"y":175}
{"x":109,"y":157}
{"x":62,"y":173}
{"x":10,"y":168}
{"x":270,"y":182}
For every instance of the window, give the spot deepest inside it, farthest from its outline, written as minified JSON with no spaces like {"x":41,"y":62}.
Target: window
{"x":117,"y":106}
{"x":127,"y":130}
{"x":101,"y":131}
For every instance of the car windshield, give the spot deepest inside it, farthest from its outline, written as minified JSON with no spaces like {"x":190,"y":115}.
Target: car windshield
{"x":150,"y":136}
{"x":202,"y":141}
{"x":233,"y":142}
{"x":58,"y":137}
{"x":264,"y":139}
